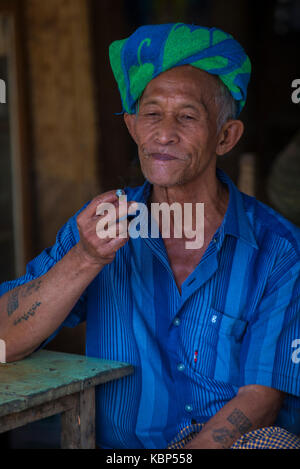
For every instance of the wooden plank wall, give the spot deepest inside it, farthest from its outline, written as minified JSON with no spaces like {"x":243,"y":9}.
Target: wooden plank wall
{"x":65,"y":133}
{"x":64,"y":124}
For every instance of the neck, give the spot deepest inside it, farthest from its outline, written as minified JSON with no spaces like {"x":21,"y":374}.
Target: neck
{"x":210,"y":191}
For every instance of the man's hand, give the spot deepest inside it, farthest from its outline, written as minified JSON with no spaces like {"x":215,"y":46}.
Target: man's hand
{"x":254,"y":407}
{"x":100,"y":247}
{"x":30,"y":313}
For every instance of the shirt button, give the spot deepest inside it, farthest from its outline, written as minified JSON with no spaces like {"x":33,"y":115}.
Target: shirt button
{"x":176,"y":322}
{"x":188,"y":408}
{"x":180,"y":367}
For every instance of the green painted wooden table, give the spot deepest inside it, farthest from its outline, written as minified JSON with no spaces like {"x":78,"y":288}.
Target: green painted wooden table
{"x":48,"y":383}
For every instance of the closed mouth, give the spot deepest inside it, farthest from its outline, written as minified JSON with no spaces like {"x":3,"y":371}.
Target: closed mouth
{"x":163,"y":156}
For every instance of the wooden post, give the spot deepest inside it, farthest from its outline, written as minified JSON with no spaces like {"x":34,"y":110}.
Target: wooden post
{"x":246,"y":178}
{"x":78,"y":423}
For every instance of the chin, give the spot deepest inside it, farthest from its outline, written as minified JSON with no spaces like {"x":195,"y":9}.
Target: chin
{"x":160,"y":176}
{"x":161,"y":180}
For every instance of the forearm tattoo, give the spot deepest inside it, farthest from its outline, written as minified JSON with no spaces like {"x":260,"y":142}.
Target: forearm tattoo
{"x":226,"y":436}
{"x":29,"y":313}
{"x":21,"y":292}
{"x":13,"y":302}
{"x":239,"y":421}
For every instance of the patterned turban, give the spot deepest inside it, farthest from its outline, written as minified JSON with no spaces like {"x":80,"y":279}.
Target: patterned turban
{"x":152,"y":50}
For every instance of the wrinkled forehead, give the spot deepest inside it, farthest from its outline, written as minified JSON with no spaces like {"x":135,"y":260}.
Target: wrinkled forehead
{"x":184,"y":83}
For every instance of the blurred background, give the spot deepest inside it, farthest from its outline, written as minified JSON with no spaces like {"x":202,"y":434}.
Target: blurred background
{"x":62,"y":142}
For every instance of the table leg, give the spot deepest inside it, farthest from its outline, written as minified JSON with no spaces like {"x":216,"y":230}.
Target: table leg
{"x":78,"y":423}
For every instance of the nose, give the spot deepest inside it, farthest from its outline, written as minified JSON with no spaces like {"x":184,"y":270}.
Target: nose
{"x":167,"y":132}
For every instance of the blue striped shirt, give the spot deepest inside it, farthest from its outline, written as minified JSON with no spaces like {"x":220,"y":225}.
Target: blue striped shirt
{"x":235,"y":323}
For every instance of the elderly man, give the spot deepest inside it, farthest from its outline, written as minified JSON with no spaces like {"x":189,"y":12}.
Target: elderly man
{"x":210,"y":331}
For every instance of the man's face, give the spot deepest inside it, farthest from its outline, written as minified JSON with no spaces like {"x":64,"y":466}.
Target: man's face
{"x":175,"y":128}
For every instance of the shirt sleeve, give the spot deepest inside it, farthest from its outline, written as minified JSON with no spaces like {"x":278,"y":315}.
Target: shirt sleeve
{"x":268,"y":352}
{"x":66,"y":238}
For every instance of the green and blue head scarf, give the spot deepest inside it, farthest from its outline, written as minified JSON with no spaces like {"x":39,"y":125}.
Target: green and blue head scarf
{"x":152,"y":50}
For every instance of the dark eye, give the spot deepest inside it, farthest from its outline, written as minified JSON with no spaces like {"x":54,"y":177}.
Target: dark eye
{"x":187,"y":117}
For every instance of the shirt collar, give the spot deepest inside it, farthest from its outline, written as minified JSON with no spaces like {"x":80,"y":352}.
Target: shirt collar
{"x":235,"y":222}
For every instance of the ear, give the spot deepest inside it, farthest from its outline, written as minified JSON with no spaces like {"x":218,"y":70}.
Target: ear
{"x":130,"y":120}
{"x":229,"y":136}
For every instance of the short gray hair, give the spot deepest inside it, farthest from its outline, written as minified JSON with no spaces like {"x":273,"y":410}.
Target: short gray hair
{"x":226,"y":104}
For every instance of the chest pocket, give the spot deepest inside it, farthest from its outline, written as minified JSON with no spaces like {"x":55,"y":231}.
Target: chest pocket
{"x":217,"y":345}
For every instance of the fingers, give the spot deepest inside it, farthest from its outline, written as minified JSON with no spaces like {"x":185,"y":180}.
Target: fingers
{"x":108,"y":197}
{"x":110,"y":213}
{"x":102,"y":201}
{"x":113,"y":230}
{"x":103,"y":226}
